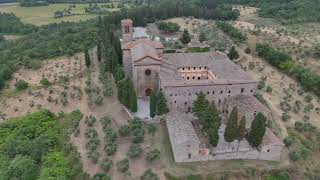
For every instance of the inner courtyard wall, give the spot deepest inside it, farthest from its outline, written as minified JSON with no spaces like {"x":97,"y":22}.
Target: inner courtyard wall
{"x":180,"y":98}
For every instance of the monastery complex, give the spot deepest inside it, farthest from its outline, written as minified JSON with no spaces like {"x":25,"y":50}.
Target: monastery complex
{"x":181,"y":76}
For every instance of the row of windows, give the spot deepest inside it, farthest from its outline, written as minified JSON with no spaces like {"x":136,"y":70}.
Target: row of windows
{"x":194,"y":68}
{"x":193,"y":77}
{"x":186,"y":103}
{"x":213,"y":92}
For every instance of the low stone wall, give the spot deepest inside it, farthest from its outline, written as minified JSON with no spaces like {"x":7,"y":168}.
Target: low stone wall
{"x":243,"y":155}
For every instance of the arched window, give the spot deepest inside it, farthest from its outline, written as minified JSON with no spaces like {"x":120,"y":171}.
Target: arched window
{"x":147,"y":72}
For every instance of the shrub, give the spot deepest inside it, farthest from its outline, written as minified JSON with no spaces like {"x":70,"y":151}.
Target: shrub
{"x":251,"y":65}
{"x":269,"y":89}
{"x":45,"y":82}
{"x":110,"y":148}
{"x":94,"y":156}
{"x":308,"y":98}
{"x":124,"y":130}
{"x":138,"y":135}
{"x":98,"y":100}
{"x":308,"y":108}
{"x":101,"y":176}
{"x":285,"y":116}
{"x":153,"y":155}
{"x":149,"y":175}
{"x":110,"y":136}
{"x":294,"y":155}
{"x":288,"y":141}
{"x":21,"y":85}
{"x":123,"y":165}
{"x":105,"y":122}
{"x":261,"y":84}
{"x":247,"y":50}
{"x":106,"y":164}
{"x":134,"y":150}
{"x":89,"y":121}
{"x":151,"y":129}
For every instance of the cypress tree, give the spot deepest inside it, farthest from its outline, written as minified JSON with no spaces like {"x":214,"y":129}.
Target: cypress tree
{"x":202,"y":37}
{"x":99,"y":51}
{"x":2,"y":83}
{"x":133,"y":101}
{"x":153,"y":100}
{"x":161,"y":105}
{"x":242,"y":128}
{"x":200,"y":105}
{"x":87,"y":57}
{"x":233,"y":54}
{"x":212,"y":122}
{"x":214,"y":136}
{"x":185,"y":38}
{"x":231,"y":131}
{"x":258,"y":128}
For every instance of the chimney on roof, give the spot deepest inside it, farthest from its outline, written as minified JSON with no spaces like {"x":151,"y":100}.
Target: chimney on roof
{"x":127,"y":30}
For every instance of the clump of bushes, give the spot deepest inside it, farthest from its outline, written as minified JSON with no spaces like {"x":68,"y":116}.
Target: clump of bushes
{"x":134,"y":150}
{"x":261,"y":84}
{"x":149,"y":175}
{"x":110,"y":148}
{"x":124,"y":130}
{"x":64,"y":98}
{"x":151,"y":129}
{"x":106,"y":164}
{"x":45,"y":82}
{"x":123,"y":165}
{"x":137,"y":130}
{"x":21,"y":85}
{"x":153,"y":155}
{"x":76,"y":117}
{"x":89,"y":121}
{"x":101,"y":176}
{"x":105,"y":122}
{"x":92,"y":144}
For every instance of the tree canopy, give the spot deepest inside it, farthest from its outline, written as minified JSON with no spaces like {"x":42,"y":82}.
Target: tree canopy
{"x":258,"y":128}
{"x":208,"y":116}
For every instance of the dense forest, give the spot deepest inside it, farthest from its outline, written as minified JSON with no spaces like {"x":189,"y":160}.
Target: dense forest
{"x":289,"y":10}
{"x":9,"y":23}
{"x":36,"y":146}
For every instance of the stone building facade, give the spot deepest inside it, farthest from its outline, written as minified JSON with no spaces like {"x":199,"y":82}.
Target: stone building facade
{"x":181,"y":76}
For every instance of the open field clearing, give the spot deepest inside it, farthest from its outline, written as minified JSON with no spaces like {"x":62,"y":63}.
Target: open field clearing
{"x":43,"y":15}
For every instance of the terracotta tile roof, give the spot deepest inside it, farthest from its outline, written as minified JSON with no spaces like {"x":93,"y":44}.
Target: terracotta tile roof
{"x":142,"y":50}
{"x":126,"y":20}
{"x":216,"y":62}
{"x":270,"y":138}
{"x":245,"y":103}
{"x":131,"y":44}
{"x":180,"y":129}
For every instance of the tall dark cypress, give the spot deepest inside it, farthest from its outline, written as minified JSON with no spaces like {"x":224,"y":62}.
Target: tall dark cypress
{"x":231,"y":131}
{"x":153,"y":100}
{"x":87,"y":57}
{"x":258,"y":128}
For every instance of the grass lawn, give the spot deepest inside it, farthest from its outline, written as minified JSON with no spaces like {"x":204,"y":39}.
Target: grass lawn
{"x":43,"y":15}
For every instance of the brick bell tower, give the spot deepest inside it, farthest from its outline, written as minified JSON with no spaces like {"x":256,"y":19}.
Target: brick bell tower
{"x":127,"y":30}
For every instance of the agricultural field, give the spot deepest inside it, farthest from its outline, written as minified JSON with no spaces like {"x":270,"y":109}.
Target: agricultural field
{"x":43,"y":15}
